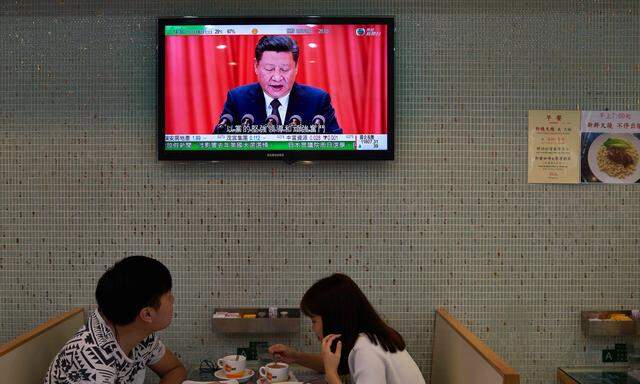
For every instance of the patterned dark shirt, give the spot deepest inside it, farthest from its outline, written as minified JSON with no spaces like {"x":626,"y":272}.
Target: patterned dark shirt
{"x":94,"y":356}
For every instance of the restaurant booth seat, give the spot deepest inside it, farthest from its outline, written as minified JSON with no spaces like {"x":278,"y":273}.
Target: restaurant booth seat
{"x":25,"y":359}
{"x":460,"y":357}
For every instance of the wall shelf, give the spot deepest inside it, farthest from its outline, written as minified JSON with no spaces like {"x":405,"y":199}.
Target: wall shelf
{"x":605,"y":327}
{"x":289,"y":324}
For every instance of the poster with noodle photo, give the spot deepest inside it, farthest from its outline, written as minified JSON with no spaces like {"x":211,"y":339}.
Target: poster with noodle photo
{"x":610,"y":147}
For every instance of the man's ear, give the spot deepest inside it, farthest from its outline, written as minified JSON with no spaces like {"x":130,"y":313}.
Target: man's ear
{"x":146,"y":314}
{"x":255,"y":65}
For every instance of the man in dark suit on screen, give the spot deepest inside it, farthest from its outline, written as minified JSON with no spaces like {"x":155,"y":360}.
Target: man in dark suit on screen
{"x":276,"y":94}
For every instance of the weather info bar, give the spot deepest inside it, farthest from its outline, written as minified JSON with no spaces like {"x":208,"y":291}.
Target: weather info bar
{"x":172,"y":30}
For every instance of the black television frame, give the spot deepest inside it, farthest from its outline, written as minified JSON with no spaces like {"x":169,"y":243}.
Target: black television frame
{"x":289,"y":156}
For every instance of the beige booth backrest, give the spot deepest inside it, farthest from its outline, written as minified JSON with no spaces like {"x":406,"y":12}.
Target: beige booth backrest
{"x":25,"y":359}
{"x":460,"y":357}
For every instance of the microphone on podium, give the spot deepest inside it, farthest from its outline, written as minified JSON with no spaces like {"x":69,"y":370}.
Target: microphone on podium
{"x":225,"y":121}
{"x":247,"y":120}
{"x":295,"y":120}
{"x":318,"y":122}
{"x":272,"y":120}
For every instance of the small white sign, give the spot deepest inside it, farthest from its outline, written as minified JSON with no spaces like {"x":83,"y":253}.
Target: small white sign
{"x":610,"y":121}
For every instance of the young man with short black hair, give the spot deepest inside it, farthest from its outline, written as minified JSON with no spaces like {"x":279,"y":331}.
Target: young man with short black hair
{"x":119,"y":341}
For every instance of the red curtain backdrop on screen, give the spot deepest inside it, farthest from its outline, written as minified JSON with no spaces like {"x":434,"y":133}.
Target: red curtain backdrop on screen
{"x":200,"y":70}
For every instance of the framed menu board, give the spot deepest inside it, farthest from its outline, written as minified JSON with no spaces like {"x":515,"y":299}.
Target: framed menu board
{"x":554,"y":146}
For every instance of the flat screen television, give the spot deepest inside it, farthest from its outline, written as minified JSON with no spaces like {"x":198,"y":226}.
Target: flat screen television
{"x":290,"y":88}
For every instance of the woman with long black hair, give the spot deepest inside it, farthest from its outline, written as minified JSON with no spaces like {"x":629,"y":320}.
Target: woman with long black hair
{"x":354,"y":338}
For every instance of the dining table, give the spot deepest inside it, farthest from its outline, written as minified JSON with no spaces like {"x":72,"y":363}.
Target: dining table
{"x":596,"y":375}
{"x":205,"y":372}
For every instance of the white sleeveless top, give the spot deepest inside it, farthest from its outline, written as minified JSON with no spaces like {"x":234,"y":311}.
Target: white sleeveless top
{"x":370,"y":364}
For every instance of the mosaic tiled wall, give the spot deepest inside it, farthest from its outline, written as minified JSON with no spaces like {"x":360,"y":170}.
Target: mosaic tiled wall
{"x":452,"y":222}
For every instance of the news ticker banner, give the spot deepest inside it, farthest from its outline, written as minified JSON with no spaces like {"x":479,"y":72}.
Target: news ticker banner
{"x":275,"y":142}
{"x":569,"y":147}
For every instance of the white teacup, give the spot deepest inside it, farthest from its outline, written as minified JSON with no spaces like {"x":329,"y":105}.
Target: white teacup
{"x":234,"y":366}
{"x":275,"y":375}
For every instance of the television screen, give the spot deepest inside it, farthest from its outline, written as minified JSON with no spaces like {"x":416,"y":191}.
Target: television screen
{"x":309,"y":88}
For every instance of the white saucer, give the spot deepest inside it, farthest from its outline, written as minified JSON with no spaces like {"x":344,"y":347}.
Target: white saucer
{"x":292,"y":380}
{"x":248,"y":373}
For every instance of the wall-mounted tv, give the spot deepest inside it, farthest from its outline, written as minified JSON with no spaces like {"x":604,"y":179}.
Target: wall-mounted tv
{"x":290,"y":88}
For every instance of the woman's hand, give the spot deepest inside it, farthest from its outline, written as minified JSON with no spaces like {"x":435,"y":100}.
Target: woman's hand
{"x":330,"y":359}
{"x":283,"y":353}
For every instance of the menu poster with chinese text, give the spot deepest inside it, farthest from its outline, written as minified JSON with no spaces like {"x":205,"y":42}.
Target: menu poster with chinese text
{"x":610,"y":147}
{"x":554,"y":147}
